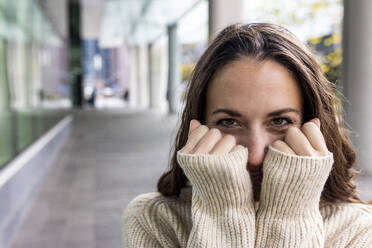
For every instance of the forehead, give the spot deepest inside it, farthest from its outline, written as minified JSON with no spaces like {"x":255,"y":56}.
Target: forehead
{"x":248,"y":84}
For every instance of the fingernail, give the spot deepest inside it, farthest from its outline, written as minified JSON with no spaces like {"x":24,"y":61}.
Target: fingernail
{"x":192,"y":122}
{"x":192,"y":125}
{"x":317,"y":122}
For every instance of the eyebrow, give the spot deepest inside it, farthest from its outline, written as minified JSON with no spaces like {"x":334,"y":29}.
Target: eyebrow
{"x":227,"y":111}
{"x":274,"y":113}
{"x":284,"y":111}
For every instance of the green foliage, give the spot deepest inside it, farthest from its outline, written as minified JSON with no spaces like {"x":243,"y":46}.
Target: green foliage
{"x":329,"y":51}
{"x":186,"y":70}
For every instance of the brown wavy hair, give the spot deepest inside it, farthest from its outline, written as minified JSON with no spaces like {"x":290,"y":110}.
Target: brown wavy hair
{"x":262,"y":41}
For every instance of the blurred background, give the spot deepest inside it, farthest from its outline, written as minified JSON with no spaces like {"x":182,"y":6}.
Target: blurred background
{"x":91,"y":93}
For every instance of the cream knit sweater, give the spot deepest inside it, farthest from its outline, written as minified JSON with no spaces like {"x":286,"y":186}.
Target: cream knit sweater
{"x":219,"y":210}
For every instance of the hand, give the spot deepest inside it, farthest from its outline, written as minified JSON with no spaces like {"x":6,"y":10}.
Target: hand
{"x":307,"y":141}
{"x":202,"y":140}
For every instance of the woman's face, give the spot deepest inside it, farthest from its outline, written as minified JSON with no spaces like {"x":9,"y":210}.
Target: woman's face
{"x":255,"y":101}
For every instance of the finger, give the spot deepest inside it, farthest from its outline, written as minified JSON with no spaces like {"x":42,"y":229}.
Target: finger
{"x":315,"y":137}
{"x":209,"y":140}
{"x":283,"y":147}
{"x":224,"y":145}
{"x":193,"y":125}
{"x":237,"y":147}
{"x":194,"y":138}
{"x":298,"y":142}
{"x":316,"y":121}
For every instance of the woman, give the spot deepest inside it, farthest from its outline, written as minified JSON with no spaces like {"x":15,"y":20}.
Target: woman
{"x":261,"y":158}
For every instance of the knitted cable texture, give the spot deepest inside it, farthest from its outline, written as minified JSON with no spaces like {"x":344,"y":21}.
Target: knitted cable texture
{"x":219,"y":210}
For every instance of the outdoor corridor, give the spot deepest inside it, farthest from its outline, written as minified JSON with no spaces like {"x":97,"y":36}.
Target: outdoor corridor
{"x":108,"y":160}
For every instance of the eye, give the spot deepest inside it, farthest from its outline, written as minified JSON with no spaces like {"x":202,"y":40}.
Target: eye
{"x":281,"y":122}
{"x":227,"y":123}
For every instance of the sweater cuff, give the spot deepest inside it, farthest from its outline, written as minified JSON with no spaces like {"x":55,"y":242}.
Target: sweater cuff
{"x":293,"y":183}
{"x":218,"y":180}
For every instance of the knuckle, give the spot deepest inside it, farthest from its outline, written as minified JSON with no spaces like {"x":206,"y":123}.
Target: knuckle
{"x":196,"y":149}
{"x":215,"y":131}
{"x":323,"y":153}
{"x":292,"y":131}
{"x":199,"y":132}
{"x":185,"y":150}
{"x":277,"y":143}
{"x":192,"y":139}
{"x":311,"y":153}
{"x":308,"y":126}
{"x":230,"y":138}
{"x":203,"y":128}
{"x":188,"y":147}
{"x":238,"y":147}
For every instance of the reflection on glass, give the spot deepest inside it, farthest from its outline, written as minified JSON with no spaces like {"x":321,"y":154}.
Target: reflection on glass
{"x":33,"y":75}
{"x":20,"y":129}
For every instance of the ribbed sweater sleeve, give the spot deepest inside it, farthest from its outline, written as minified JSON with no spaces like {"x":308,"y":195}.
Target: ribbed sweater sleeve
{"x":137,"y":229}
{"x":347,"y":225}
{"x":218,"y":210}
{"x":288,"y":213}
{"x":222,"y":207}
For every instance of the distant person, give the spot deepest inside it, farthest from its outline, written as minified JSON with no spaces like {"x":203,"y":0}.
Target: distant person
{"x":126,"y":95}
{"x":78,"y":98}
{"x":92,"y":98}
{"x":261,"y":159}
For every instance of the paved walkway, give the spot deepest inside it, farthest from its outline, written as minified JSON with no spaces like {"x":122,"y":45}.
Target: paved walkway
{"x":109,"y":159}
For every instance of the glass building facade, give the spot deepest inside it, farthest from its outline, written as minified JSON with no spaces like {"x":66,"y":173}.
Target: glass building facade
{"x":33,"y":75}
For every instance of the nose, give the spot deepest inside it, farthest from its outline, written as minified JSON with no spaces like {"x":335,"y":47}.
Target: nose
{"x":257,"y":141}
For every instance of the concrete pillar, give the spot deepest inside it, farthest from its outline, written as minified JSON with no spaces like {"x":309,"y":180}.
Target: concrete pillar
{"x":174,"y":73}
{"x":143,"y":78}
{"x":35,"y":75}
{"x":357,"y":75}
{"x":151,"y":76}
{"x":159,"y":76}
{"x":223,"y":13}
{"x":16,"y":71}
{"x":4,"y":82}
{"x":32,"y":59}
{"x":17,"y":51}
{"x":133,"y":76}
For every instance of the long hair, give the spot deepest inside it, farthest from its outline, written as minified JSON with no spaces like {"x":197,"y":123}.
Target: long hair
{"x":262,"y":41}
